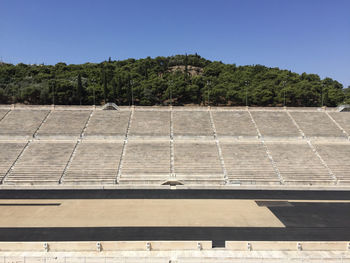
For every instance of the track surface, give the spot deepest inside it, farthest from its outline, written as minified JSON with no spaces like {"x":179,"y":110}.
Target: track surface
{"x":303,"y":220}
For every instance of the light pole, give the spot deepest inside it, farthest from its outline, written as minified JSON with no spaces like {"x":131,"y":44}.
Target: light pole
{"x":171,"y":92}
{"x":53,"y":93}
{"x":208,"y":84}
{"x":322,"y":97}
{"x":132,"y":92}
{"x":93,"y":91}
{"x":284,"y":92}
{"x":246,"y":92}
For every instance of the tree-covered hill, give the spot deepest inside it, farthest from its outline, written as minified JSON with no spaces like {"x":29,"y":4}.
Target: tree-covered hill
{"x":180,"y":79}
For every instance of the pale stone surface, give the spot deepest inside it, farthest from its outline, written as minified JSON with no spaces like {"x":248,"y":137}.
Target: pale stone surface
{"x":106,"y":123}
{"x":298,"y":163}
{"x":3,"y":113}
{"x":248,"y":162}
{"x":343,"y":119}
{"x":336,"y":155}
{"x":234,"y":123}
{"x":192,"y":123}
{"x":176,"y":255}
{"x":317,"y":124}
{"x":146,"y":162}
{"x":275,"y":124}
{"x":94,"y":163}
{"x":197,"y":162}
{"x":8,"y":154}
{"x":68,"y":123}
{"x":41,"y":163}
{"x":150,"y":123}
{"x":22,"y":122}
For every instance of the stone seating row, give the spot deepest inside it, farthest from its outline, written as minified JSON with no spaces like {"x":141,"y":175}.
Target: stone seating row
{"x":62,"y":123}
{"x":41,"y":163}
{"x":145,"y":163}
{"x":194,"y":162}
{"x":94,"y":162}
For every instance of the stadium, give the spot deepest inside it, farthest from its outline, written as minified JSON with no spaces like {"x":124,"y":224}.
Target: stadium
{"x":174,"y":184}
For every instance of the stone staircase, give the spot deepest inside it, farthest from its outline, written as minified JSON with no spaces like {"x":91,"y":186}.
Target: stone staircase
{"x":198,"y":163}
{"x":248,"y":163}
{"x":336,"y":156}
{"x":146,"y":163}
{"x":8,"y":155}
{"x":106,"y":124}
{"x":298,"y":164}
{"x":233,"y":124}
{"x":41,"y":163}
{"x":317,"y":125}
{"x":275,"y":124}
{"x":64,"y":124}
{"x":21,"y":124}
{"x":94,"y":163}
{"x":192,"y":124}
{"x":150,"y":124}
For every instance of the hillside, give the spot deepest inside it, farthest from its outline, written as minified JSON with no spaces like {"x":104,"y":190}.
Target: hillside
{"x":190,"y":79}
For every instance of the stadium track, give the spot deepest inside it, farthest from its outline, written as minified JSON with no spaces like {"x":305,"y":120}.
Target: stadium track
{"x":315,"y":216}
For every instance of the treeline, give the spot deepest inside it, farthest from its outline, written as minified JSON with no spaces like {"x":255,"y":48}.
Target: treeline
{"x":180,"y":80}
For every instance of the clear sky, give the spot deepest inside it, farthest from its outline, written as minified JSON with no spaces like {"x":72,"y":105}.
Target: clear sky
{"x":310,"y":36}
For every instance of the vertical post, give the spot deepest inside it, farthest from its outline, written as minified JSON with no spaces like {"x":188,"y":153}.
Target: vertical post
{"x":171,"y":92}
{"x":322,"y":95}
{"x":132,"y":92}
{"x":93,"y":91}
{"x":284,"y":92}
{"x":53,"y":93}
{"x":246,"y":92}
{"x":208,"y":84}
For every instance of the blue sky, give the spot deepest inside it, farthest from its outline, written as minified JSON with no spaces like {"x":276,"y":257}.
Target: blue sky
{"x":310,"y":36}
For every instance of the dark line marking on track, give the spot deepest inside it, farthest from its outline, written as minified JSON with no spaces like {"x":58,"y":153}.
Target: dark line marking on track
{"x":30,"y":204}
{"x":175,"y":194}
{"x":273,"y":203}
{"x":175,"y":233}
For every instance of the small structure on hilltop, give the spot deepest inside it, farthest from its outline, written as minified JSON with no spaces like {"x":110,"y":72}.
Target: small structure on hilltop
{"x":110,"y":106}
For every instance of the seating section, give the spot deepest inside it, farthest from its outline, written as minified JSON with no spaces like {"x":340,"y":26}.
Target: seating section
{"x":197,"y":163}
{"x":22,"y":123}
{"x":298,"y":164}
{"x":41,"y":163}
{"x":8,"y":155}
{"x":108,"y":123}
{"x":146,"y":162}
{"x":63,"y":123}
{"x":150,"y":123}
{"x":317,"y":124}
{"x":3,"y":113}
{"x":234,"y":124}
{"x":94,"y":163}
{"x":336,"y":156}
{"x":134,"y":146}
{"x":248,"y":163}
{"x":192,"y":124}
{"x":343,"y":119}
{"x":273,"y":124}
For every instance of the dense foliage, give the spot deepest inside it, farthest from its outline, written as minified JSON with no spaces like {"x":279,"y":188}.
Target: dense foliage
{"x":180,"y":79}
